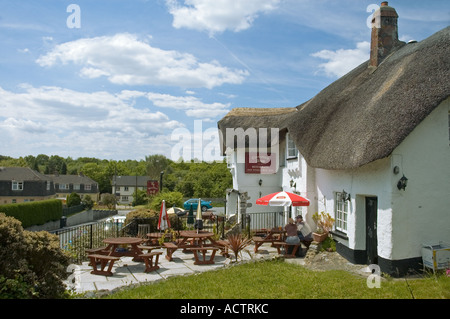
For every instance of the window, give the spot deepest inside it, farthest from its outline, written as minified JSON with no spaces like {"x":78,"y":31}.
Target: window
{"x":76,"y":187}
{"x":124,"y":198}
{"x":341,"y":212}
{"x":125,"y":188}
{"x":48,"y":185}
{"x":17,"y":186}
{"x":87,"y":187}
{"x":291,"y":148}
{"x":63,"y":186}
{"x":118,"y":189}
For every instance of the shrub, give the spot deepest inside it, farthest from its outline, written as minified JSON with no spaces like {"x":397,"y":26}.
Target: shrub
{"x":34,"y":213}
{"x":73,"y":199}
{"x":31,"y":263}
{"x":87,"y":202}
{"x":171,"y":198}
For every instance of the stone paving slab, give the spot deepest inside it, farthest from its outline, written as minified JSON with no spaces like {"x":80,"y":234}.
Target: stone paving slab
{"x":127,"y":272}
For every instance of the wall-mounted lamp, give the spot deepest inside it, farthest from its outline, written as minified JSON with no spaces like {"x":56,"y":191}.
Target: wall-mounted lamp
{"x":260,"y":182}
{"x":402,"y":183}
{"x":396,"y":170}
{"x":345,"y":196}
{"x":292,"y":184}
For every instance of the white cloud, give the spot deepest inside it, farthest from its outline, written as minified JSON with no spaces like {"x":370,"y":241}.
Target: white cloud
{"x":99,"y":124}
{"x":95,"y":124}
{"x":192,"y":106}
{"x":218,"y":15}
{"x":126,"y":60}
{"x":341,"y":61}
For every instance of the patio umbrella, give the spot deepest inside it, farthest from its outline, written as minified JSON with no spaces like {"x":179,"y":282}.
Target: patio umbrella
{"x":163,"y":222}
{"x":199,"y":220}
{"x":190,"y":219}
{"x":284,"y":199}
{"x":174,"y":210}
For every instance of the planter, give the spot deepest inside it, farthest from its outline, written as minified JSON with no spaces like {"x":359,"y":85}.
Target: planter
{"x":319,"y":237}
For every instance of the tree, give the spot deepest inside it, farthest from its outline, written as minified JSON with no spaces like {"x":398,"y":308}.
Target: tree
{"x":73,"y":199}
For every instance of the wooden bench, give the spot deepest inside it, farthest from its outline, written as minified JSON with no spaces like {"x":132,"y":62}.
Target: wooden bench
{"x":148,"y":259}
{"x":259,"y":241}
{"x":99,"y":251}
{"x":171,"y":248}
{"x":278,"y":245}
{"x":203,"y":250}
{"x":223,"y":246}
{"x":103,"y":262}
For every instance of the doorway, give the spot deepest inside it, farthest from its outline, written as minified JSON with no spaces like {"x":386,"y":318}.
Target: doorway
{"x":371,"y":230}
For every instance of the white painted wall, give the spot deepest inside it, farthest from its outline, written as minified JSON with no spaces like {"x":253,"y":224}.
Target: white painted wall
{"x":406,"y":219}
{"x":422,"y":212}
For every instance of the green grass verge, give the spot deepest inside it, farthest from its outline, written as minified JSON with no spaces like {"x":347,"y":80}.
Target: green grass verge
{"x":281,"y":280}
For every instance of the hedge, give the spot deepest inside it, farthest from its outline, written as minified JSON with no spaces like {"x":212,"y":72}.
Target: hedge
{"x":34,"y":213}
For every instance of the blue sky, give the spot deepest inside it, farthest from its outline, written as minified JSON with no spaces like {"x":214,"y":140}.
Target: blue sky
{"x":116,"y":79}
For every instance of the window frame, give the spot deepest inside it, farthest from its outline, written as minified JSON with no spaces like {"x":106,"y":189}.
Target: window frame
{"x":18,"y":186}
{"x":341,"y":213}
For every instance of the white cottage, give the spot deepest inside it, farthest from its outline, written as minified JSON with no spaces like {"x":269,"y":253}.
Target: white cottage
{"x":372,"y":149}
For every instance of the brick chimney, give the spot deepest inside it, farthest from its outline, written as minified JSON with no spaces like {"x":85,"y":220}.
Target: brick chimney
{"x":384,"y":34}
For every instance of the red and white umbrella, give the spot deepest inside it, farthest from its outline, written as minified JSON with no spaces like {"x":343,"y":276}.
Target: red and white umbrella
{"x":163,"y":222}
{"x":283,"y":199}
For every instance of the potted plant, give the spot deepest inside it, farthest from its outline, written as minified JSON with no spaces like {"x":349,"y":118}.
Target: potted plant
{"x":324,"y":223}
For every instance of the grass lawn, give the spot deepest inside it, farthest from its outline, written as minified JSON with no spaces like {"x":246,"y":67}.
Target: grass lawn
{"x":281,"y":280}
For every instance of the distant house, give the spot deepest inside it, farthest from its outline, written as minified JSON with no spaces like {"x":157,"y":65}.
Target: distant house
{"x":80,"y":184}
{"x":372,"y":149}
{"x":22,"y":184}
{"x":124,"y":187}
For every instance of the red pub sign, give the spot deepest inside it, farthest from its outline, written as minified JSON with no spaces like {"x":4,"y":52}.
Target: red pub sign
{"x":257,"y":163}
{"x":152,"y":187}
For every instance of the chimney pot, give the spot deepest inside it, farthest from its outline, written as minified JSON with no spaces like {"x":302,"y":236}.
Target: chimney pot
{"x":384,"y":34}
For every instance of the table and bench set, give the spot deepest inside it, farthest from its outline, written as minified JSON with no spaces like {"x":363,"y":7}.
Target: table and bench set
{"x":200,"y":243}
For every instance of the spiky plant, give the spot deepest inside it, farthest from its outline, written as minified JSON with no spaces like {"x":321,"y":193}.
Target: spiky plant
{"x":237,"y":242}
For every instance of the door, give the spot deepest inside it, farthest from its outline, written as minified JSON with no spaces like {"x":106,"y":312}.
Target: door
{"x":371,"y":230}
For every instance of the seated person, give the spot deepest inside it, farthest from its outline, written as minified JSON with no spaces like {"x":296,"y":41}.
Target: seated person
{"x":303,"y":230}
{"x":291,"y":234}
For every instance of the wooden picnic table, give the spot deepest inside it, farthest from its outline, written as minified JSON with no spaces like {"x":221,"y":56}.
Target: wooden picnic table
{"x":195,"y":241}
{"x":153,"y":238}
{"x":274,"y":235}
{"x":113,"y":248}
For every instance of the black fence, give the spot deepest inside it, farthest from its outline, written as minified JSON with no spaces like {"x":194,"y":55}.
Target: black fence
{"x":76,"y":240}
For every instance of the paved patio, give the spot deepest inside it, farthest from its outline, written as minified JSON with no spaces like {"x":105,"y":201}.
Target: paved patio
{"x":127,"y":272}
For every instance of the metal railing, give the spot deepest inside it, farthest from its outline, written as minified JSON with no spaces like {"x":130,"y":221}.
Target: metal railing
{"x":75,"y":240}
{"x":267,"y":220}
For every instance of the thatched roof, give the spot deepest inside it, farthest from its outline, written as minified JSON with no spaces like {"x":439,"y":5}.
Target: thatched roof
{"x":255,"y":118}
{"x":366,"y":114}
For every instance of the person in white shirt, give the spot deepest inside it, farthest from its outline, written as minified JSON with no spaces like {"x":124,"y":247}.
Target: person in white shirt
{"x":303,"y":229}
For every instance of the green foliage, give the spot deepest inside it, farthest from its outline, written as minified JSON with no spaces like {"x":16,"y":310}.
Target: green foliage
{"x":87,"y":202}
{"x":73,"y":199}
{"x":328,"y":245}
{"x":207,"y":180}
{"x":171,"y":198}
{"x":34,"y":213}
{"x":108,"y":200}
{"x":140,"y":197}
{"x":31,"y":263}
